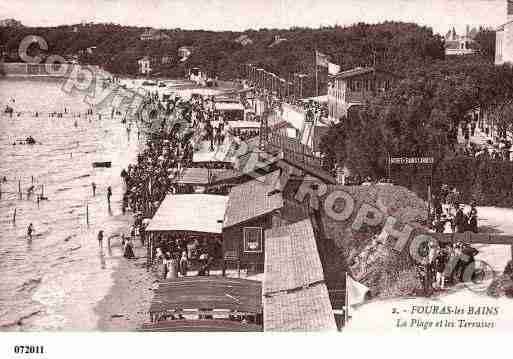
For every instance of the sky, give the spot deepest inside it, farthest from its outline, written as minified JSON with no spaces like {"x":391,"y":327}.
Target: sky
{"x":237,"y":15}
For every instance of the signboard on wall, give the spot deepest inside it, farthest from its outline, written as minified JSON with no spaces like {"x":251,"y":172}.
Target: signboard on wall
{"x":253,"y":239}
{"x":411,"y":160}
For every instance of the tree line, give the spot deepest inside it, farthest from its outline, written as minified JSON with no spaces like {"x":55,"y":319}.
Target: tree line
{"x":393,"y":45}
{"x":420,"y":116}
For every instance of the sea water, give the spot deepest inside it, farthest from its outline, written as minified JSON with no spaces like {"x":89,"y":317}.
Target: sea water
{"x":54,"y":281}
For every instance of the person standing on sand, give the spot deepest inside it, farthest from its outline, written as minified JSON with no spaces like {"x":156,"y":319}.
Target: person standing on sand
{"x":100,"y":239}
{"x":165,"y":259}
{"x":129,"y":249}
{"x":93,"y":185}
{"x":109,"y":194}
{"x":30,"y":230}
{"x":183,"y":264}
{"x":172,"y":267}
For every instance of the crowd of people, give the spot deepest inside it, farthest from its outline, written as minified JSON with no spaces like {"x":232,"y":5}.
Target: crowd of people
{"x":182,"y":125}
{"x":176,"y":256}
{"x":449,"y":215}
{"x":447,"y":264}
{"x":496,"y":149}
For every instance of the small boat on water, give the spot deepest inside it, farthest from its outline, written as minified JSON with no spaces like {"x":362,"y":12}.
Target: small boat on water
{"x":149,"y":83}
{"x":30,"y":140}
{"x":105,"y":164}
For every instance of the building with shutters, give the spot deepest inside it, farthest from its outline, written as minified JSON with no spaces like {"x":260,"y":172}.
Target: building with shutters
{"x":504,"y":38}
{"x":348,"y":90}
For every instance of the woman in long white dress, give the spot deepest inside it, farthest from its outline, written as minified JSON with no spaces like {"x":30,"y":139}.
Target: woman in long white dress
{"x":172,"y":268}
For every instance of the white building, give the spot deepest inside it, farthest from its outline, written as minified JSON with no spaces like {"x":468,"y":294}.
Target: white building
{"x":459,"y":44}
{"x":349,"y":90}
{"x":184,"y":52}
{"x":244,"y":40}
{"x":504,"y":38}
{"x":144,"y":65}
{"x":153,"y":34}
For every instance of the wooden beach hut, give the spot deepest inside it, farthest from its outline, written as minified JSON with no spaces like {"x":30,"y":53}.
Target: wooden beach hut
{"x":230,"y":110}
{"x":209,"y":303}
{"x":188,"y":217}
{"x":250,"y":210}
{"x":221,"y":157}
{"x":206,"y":180}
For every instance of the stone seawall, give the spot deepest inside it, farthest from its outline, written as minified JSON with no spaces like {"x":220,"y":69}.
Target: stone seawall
{"x":49,"y":70}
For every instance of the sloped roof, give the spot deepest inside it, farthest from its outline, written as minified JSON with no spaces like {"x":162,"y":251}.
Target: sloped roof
{"x":208,"y":292}
{"x":200,"y":176}
{"x":291,"y":257}
{"x":501,"y":27}
{"x":251,"y":199}
{"x":190,"y":212}
{"x":244,"y":124}
{"x":305,"y":310}
{"x":194,"y":176}
{"x":354,"y":72}
{"x":229,"y":106}
{"x":361,"y":71}
{"x":226,"y":176}
{"x":295,"y":294}
{"x":292,"y":152}
{"x":221,"y":153}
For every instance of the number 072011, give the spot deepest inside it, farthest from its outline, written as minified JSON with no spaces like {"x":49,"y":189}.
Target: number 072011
{"x":28,"y":349}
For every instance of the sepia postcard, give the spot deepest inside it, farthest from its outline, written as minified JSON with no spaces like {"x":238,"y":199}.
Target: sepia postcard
{"x":255,"y":166}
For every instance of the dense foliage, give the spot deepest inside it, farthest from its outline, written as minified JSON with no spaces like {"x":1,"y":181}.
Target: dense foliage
{"x":390,"y":44}
{"x":485,"y":43}
{"x":420,"y":118}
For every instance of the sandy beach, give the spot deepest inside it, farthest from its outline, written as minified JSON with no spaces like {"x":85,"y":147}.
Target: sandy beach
{"x":126,"y":305}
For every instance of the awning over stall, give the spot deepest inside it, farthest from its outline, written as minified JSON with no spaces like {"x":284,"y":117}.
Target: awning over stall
{"x":221,"y":154}
{"x":229,"y":106}
{"x":199,"y":176}
{"x":190,"y":212}
{"x":244,"y":125}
